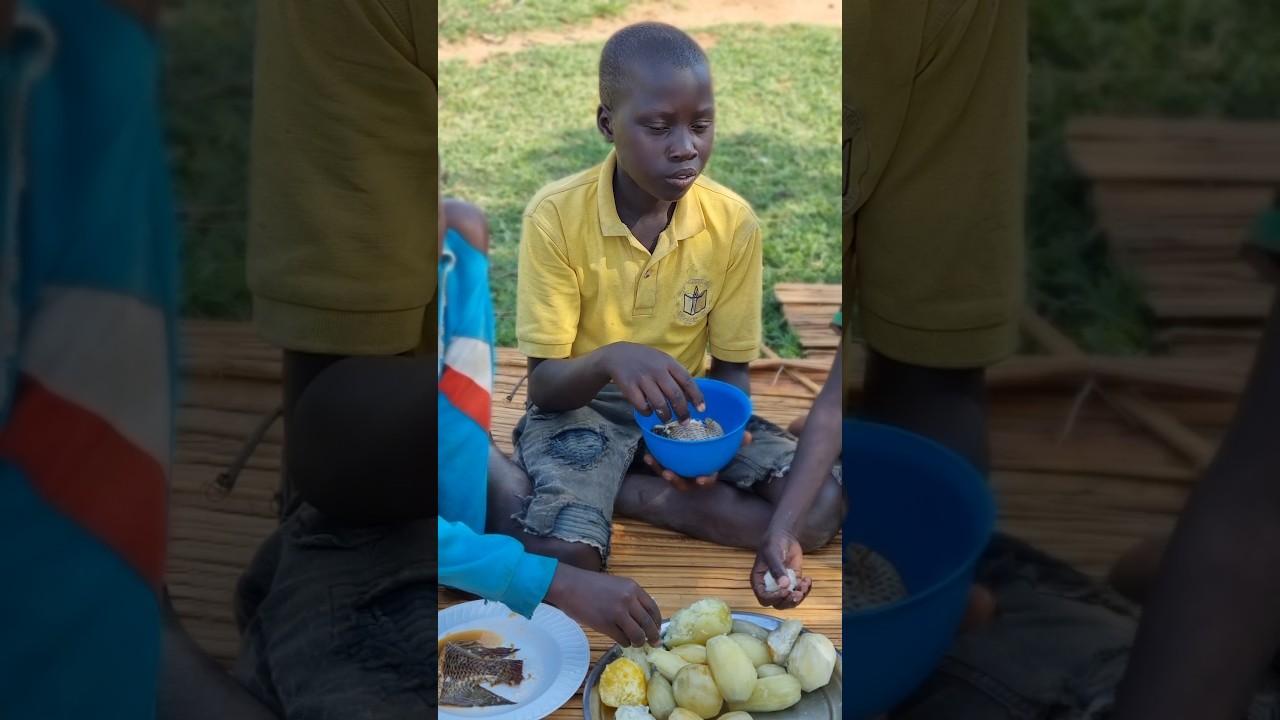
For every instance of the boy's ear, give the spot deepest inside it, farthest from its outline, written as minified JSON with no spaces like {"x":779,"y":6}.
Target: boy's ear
{"x":604,"y":122}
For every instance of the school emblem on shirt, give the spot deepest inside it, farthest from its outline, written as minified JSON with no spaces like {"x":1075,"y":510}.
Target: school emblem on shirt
{"x":693,"y":300}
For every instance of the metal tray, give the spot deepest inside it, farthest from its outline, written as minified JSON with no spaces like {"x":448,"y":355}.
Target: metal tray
{"x":821,"y":704}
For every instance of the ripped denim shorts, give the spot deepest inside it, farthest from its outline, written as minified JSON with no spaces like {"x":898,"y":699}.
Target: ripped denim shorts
{"x":578,"y":459}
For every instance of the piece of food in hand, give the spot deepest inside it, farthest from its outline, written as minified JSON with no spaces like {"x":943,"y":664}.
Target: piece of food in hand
{"x":683,"y":714}
{"x":755,"y":648}
{"x":696,"y":690}
{"x":812,"y":661}
{"x":633,"y":712}
{"x":769,"y":670}
{"x":698,"y":623}
{"x":666,"y":662}
{"x":735,"y":715}
{"x":771,"y":584}
{"x":771,"y":694}
{"x":870,"y":580}
{"x":749,"y":628}
{"x":622,"y":683}
{"x":732,"y":670}
{"x":693,"y":430}
{"x":692,"y":653}
{"x":781,"y":639}
{"x":639,"y":656}
{"x":661,"y":699}
{"x":464,"y":665}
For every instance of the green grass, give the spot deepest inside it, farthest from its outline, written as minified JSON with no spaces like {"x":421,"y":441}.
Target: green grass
{"x":1175,"y":58}
{"x":460,"y":19}
{"x":515,"y":123}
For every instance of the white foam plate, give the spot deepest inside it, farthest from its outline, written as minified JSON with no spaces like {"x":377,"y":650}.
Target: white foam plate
{"x":553,"y":647}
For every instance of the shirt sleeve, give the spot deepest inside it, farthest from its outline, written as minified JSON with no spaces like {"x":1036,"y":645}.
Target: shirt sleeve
{"x":735,"y":321}
{"x":548,"y":303}
{"x":495,"y":567}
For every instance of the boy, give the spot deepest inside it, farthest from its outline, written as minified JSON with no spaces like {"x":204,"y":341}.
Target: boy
{"x":481,"y":550}
{"x":628,"y":272}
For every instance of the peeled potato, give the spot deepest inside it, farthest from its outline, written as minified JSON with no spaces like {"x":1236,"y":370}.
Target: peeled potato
{"x":755,"y":648}
{"x":661,"y":700}
{"x":698,"y":623}
{"x":813,"y":659}
{"x":781,"y":639}
{"x":769,"y":670}
{"x":732,"y":670}
{"x":734,"y":715}
{"x":633,"y":712}
{"x":749,"y":628}
{"x":692,"y":653}
{"x":771,"y":694}
{"x":622,"y":683}
{"x":696,"y":690}
{"x":682,"y":714}
{"x":667,"y":663}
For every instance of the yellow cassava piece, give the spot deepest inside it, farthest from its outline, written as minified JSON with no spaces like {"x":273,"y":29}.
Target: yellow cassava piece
{"x":622,"y":683}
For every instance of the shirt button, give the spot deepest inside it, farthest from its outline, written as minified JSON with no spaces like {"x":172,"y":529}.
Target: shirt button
{"x":648,"y":274}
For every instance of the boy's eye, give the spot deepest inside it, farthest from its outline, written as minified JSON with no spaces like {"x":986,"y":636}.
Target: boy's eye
{"x":702,"y":127}
{"x":658,"y":128}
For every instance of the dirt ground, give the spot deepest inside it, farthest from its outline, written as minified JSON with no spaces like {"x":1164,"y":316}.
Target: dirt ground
{"x":681,"y":14}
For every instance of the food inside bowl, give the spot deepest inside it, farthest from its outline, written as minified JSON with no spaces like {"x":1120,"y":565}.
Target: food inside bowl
{"x":709,"y":664}
{"x":870,"y":580}
{"x":693,"y":430}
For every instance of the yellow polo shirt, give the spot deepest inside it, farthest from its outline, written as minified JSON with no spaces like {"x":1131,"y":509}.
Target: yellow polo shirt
{"x":934,"y":154}
{"x":342,"y":232}
{"x":585,"y":281}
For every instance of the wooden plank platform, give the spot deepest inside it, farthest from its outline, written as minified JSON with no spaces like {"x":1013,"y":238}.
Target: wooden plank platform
{"x":1176,"y":198}
{"x":809,"y":309}
{"x":1074,"y":477}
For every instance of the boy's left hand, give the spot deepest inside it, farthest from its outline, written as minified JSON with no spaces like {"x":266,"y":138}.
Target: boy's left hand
{"x":683,"y":483}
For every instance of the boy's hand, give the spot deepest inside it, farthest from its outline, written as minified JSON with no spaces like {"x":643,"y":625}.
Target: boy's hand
{"x":613,"y":606}
{"x":683,"y":483}
{"x":650,"y":378}
{"x":779,"y":549}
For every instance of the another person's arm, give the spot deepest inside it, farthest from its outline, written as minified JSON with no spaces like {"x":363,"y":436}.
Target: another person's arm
{"x":1213,"y":620}
{"x":816,"y":453}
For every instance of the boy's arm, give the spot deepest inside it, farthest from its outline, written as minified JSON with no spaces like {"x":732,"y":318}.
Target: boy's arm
{"x":495,"y":567}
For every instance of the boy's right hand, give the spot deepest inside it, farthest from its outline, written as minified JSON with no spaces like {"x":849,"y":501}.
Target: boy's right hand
{"x":610,"y":605}
{"x":650,"y":378}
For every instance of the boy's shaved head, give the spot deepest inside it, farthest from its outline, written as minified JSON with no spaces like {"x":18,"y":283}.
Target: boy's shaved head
{"x":643,"y":43}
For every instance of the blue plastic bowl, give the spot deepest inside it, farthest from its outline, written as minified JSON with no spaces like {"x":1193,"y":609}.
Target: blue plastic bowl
{"x":931,"y":514}
{"x":728,"y":406}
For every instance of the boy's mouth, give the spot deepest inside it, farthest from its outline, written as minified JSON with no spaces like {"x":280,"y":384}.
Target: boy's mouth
{"x":683,"y":177}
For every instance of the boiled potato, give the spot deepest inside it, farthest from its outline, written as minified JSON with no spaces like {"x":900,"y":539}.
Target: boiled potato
{"x":781,"y":639}
{"x":698,"y":623}
{"x":771,"y":694}
{"x":769,"y":670}
{"x":754,"y":647}
{"x":734,"y":715}
{"x":682,"y":714}
{"x":695,"y":689}
{"x":667,"y":662}
{"x":749,"y":628}
{"x":812,"y":661}
{"x":732,"y":670}
{"x":622,"y":683}
{"x":696,"y":654}
{"x":661,"y":699}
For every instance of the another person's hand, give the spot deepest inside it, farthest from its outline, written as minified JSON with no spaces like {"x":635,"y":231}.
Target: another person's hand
{"x":650,"y":379}
{"x":683,"y":483}
{"x":779,"y":549}
{"x":610,"y":605}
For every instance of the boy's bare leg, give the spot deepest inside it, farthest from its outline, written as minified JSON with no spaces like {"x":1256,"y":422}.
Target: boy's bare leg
{"x":723,"y":514}
{"x":193,"y":687}
{"x":508,"y":488}
{"x":947,"y":406}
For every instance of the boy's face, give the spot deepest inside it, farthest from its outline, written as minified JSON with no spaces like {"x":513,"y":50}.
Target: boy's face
{"x":663,"y":129}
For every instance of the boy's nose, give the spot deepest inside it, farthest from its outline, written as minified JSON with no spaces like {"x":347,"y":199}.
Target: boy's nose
{"x":683,"y":148}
